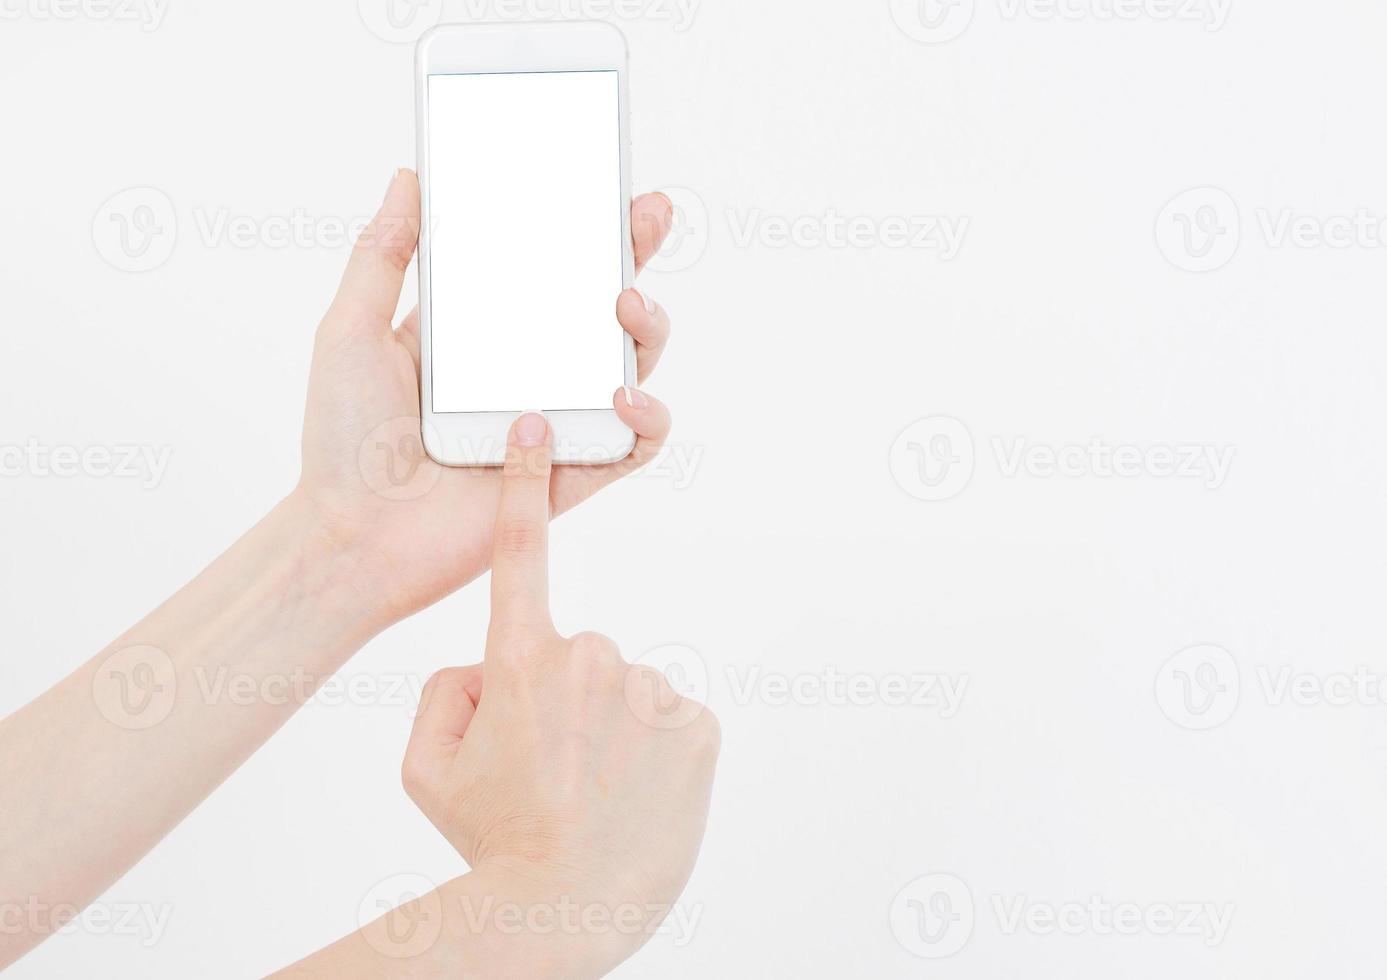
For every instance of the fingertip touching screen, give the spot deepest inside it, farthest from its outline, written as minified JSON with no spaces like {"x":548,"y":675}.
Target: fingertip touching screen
{"x":525,"y":261}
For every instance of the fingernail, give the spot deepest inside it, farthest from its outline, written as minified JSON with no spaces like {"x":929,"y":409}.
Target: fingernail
{"x":530,"y":430}
{"x":649,"y":303}
{"x":394,"y":176}
{"x":635,"y":398}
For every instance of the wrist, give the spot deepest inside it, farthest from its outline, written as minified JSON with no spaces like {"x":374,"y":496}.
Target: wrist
{"x":324,"y":574}
{"x":516,"y":919}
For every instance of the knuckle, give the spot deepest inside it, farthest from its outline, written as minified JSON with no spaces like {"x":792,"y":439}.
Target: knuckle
{"x":655,"y":685}
{"x":438,"y":679}
{"x":414,"y":776}
{"x":519,"y":536}
{"x":594,"y":645}
{"x":387,"y":241}
{"x":527,"y":464}
{"x":516,"y":647}
{"x":707,"y":731}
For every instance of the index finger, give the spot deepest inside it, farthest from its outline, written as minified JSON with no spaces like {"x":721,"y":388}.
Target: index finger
{"x":520,"y":551}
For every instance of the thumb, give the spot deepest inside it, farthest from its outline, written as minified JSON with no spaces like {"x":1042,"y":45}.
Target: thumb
{"x":446,"y":707}
{"x":375,"y":274}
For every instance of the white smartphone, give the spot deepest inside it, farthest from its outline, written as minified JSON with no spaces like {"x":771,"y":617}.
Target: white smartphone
{"x":524,"y":167}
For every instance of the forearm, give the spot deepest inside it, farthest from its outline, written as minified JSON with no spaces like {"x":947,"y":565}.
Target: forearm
{"x":491,"y":924}
{"x":96,"y":771}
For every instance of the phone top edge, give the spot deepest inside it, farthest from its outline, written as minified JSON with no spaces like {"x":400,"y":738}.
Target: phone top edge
{"x":482,"y":31}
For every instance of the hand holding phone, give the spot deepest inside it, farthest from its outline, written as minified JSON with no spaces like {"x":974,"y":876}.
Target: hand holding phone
{"x":408,"y":530}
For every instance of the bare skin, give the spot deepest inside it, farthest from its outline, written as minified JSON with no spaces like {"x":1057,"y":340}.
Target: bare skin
{"x":579,"y":810}
{"x":98,"y":769}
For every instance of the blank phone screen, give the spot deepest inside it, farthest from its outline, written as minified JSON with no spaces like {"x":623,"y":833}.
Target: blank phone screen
{"x":525,"y":228}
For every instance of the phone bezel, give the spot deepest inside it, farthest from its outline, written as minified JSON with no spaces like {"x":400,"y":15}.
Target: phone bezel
{"x":479,"y":438}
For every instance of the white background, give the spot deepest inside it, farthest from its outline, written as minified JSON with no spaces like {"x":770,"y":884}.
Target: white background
{"x":793,"y":549}
{"x":526,"y":241}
